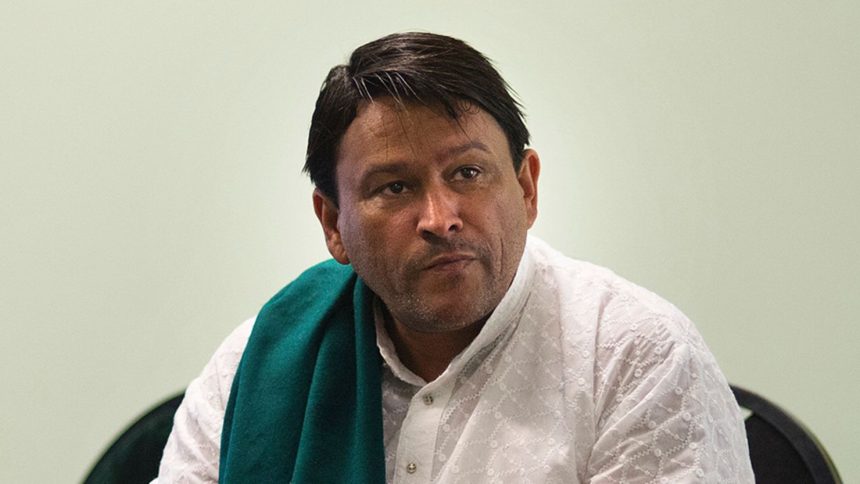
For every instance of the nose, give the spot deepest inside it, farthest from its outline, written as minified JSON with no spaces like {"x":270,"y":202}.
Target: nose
{"x":439,"y":215}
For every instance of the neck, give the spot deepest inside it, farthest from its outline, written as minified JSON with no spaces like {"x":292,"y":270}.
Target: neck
{"x":429,"y":354}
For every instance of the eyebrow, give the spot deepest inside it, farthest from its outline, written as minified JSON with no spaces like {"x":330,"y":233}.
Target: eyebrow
{"x":397,"y":167}
{"x":402,"y":166}
{"x":460,"y":149}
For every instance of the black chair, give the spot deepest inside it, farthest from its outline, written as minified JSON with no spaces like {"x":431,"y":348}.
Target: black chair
{"x":134,"y":457}
{"x":782,"y":450}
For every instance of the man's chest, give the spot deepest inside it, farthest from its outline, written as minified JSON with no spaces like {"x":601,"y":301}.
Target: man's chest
{"x":514,"y":415}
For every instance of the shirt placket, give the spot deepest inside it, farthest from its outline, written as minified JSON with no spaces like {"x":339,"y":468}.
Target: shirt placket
{"x":417,"y":443}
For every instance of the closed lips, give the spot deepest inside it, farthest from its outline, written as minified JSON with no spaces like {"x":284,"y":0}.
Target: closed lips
{"x":448,"y":259}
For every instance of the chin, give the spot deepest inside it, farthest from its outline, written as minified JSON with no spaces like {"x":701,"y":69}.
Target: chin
{"x":448,"y":317}
{"x":439,"y":326}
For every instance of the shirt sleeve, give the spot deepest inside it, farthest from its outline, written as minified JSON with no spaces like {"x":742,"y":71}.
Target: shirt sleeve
{"x":193,"y":449}
{"x":668,"y":413}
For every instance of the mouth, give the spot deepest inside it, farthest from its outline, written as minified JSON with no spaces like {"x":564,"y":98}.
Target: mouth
{"x":449,"y":262}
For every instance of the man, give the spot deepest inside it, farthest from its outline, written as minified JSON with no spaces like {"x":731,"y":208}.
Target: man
{"x":444,"y":344}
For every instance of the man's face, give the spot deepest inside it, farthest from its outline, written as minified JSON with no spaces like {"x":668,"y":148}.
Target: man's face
{"x":432,"y":215}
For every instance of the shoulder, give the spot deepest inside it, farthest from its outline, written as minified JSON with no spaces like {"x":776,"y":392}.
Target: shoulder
{"x":226,"y":358}
{"x":632,"y":336}
{"x":192,"y":449}
{"x":214,"y":383}
{"x":211,"y":389}
{"x":652,"y":376}
{"x":319,"y":281}
{"x":595,"y":299}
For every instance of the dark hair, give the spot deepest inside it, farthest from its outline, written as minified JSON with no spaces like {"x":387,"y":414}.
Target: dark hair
{"x":418,"y":67}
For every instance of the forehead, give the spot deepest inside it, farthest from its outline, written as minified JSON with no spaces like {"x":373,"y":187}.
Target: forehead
{"x":387,"y":130}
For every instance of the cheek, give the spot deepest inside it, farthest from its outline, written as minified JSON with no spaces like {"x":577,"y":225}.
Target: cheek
{"x":364,"y":235}
{"x":509,"y":222}
{"x":350,"y":234}
{"x":508,"y":213}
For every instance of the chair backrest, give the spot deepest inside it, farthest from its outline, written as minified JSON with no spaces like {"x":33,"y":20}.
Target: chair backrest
{"x":782,"y":449}
{"x":134,"y":456}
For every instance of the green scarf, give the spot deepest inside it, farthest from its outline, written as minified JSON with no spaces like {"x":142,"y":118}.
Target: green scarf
{"x":306,"y":402}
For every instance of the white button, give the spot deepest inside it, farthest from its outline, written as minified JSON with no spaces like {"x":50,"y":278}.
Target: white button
{"x":411,"y":468}
{"x":428,"y":399}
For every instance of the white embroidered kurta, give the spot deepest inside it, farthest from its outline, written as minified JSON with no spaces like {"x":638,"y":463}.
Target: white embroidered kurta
{"x":578,"y":376}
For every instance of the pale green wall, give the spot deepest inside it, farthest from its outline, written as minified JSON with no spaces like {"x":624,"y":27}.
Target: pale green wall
{"x":150,"y":193}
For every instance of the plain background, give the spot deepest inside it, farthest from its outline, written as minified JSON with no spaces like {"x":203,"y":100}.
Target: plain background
{"x":151,"y":195}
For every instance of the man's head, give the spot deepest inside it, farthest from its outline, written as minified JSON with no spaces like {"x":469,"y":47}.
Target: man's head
{"x":428,"y":197}
{"x":417,"y":67}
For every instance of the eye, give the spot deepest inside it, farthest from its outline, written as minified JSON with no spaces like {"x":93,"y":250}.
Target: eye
{"x":395,"y":188}
{"x":468,"y":172}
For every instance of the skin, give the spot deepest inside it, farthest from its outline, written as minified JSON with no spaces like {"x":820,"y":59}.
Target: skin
{"x":433,"y":217}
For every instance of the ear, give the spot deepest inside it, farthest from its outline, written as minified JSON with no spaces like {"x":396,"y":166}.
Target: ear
{"x":327,"y":213}
{"x":528,"y":179}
